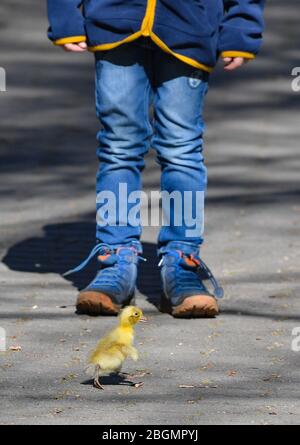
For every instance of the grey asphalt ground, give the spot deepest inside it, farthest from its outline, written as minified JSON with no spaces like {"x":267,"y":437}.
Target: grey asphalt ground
{"x":239,"y":368}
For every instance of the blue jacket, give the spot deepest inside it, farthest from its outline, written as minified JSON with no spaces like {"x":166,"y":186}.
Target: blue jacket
{"x":194,"y":31}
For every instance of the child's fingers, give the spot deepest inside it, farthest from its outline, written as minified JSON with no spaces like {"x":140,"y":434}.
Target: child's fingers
{"x":75,"y":47}
{"x":227,"y":60}
{"x":235,"y":63}
{"x":82,"y":45}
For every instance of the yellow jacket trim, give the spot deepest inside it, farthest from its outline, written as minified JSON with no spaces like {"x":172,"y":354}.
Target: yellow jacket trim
{"x":238,"y":54}
{"x":148,"y":21}
{"x":73,"y":39}
{"x":107,"y":46}
{"x":184,"y":59}
{"x":146,"y":30}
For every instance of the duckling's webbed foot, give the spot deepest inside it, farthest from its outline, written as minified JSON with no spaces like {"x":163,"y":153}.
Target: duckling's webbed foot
{"x":137,"y":385}
{"x":133,"y":376}
{"x":97,"y":384}
{"x":127,"y":378}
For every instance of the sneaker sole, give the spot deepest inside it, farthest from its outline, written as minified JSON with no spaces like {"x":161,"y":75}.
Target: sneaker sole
{"x":197,"y":306}
{"x":96,"y":303}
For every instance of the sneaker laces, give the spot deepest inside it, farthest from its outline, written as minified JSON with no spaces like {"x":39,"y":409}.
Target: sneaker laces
{"x":218,"y":290}
{"x":202,"y":270}
{"x":101,"y":250}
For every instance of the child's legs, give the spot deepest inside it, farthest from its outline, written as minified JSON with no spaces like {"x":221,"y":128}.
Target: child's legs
{"x":122,"y":96}
{"x":178,"y":98}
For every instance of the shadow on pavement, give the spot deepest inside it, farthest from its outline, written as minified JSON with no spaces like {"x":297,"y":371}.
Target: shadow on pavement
{"x":64,"y":246}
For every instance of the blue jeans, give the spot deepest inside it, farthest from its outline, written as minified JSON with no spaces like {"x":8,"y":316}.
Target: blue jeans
{"x":129,"y":80}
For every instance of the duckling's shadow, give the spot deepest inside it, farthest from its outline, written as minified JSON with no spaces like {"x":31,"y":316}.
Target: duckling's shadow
{"x":111,"y":380}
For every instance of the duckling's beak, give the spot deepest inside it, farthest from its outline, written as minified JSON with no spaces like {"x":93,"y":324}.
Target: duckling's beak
{"x":144,"y":319}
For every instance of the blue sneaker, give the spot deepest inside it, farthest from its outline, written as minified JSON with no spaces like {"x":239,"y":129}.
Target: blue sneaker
{"x":115,"y":283}
{"x":183,"y":289}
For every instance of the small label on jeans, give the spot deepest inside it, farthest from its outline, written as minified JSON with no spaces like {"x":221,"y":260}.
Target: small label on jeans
{"x":195,"y":79}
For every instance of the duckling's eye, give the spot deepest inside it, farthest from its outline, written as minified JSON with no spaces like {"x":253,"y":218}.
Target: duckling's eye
{"x":136,"y":314}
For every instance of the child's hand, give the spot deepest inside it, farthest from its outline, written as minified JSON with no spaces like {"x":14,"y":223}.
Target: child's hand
{"x":232,"y":63}
{"x":75,"y":47}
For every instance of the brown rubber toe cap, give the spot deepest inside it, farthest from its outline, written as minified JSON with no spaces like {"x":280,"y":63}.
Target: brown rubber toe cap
{"x":96,"y":303}
{"x":197,"y":306}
